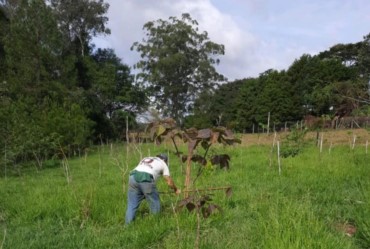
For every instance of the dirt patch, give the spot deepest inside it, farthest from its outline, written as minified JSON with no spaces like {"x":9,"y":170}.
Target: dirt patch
{"x":346,"y":229}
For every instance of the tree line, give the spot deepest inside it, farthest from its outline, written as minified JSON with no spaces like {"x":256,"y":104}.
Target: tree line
{"x":333,"y":84}
{"x":59,"y":92}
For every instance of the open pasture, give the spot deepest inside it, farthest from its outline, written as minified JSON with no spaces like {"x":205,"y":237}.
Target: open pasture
{"x":319,"y":200}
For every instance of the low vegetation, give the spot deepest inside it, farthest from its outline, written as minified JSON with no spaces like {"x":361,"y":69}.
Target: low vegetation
{"x":320,"y":200}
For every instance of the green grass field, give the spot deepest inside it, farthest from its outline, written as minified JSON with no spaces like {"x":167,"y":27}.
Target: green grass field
{"x":320,"y":200}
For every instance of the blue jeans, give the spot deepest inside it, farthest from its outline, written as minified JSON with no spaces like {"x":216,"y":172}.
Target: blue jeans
{"x":137,"y":192}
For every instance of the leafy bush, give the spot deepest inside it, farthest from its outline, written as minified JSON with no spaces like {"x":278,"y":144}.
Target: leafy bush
{"x":38,"y":132}
{"x":294,"y":143}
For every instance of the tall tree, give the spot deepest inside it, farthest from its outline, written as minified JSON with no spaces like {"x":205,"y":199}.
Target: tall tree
{"x":4,"y":29}
{"x":347,"y":53}
{"x":177,"y":63}
{"x":270,"y":93}
{"x":79,"y":21}
{"x":223,"y":104}
{"x":32,"y":47}
{"x":247,"y":104}
{"x":113,"y":94}
{"x":276,"y":97}
{"x":312,"y":78}
{"x":38,"y":114}
{"x":364,"y":59}
{"x":113,"y":84}
{"x":201,"y":116}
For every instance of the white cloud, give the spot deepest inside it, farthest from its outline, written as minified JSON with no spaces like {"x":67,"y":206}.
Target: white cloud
{"x":257,"y":34}
{"x":126,"y":19}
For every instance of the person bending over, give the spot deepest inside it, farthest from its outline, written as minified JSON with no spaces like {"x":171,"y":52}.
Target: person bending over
{"x":142,"y":184}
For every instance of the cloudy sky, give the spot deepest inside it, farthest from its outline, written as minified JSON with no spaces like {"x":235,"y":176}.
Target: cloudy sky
{"x":258,"y":34}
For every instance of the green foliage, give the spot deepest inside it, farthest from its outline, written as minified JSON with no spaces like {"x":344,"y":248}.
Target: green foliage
{"x":294,"y":143}
{"x":218,"y":108}
{"x":346,"y":53}
{"x":56,"y":94}
{"x":202,"y":117}
{"x":84,"y":20}
{"x":32,"y":46}
{"x":271,"y":92}
{"x":349,"y":97}
{"x":111,"y":93}
{"x":364,"y":57}
{"x":316,"y":91}
{"x":37,"y":133}
{"x":112,"y":84}
{"x":177,"y":63}
{"x":4,"y":29}
{"x":327,"y":84}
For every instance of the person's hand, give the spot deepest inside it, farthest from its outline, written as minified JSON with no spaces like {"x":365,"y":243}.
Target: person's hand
{"x":178,"y":191}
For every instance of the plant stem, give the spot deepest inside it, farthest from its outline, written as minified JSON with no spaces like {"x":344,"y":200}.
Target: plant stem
{"x":2,"y":243}
{"x":197,"y":240}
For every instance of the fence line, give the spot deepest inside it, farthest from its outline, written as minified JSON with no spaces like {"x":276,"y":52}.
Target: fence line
{"x":312,"y":123}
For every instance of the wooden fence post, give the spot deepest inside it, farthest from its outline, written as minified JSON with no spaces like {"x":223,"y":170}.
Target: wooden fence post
{"x":278,"y":154}
{"x":354,"y":142}
{"x":272,"y":149}
{"x":321,"y":141}
{"x":367,"y":143}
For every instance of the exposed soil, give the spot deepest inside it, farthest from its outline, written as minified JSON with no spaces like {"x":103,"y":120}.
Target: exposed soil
{"x":346,"y":228}
{"x":333,"y":137}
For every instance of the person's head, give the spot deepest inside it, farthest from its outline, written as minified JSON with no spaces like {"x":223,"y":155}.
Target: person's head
{"x":163,"y":156}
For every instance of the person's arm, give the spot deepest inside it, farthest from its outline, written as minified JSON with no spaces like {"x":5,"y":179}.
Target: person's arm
{"x":171,"y":184}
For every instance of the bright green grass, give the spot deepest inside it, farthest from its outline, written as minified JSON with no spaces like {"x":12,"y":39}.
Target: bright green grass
{"x":300,"y":208}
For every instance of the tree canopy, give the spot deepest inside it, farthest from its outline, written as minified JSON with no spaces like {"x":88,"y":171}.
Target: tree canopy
{"x":57,"y":93}
{"x":177,"y":64}
{"x":333,"y":83}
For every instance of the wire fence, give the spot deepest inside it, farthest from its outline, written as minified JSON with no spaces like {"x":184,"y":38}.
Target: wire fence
{"x":312,"y":123}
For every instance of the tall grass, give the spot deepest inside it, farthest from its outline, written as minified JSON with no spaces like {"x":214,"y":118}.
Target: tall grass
{"x":307,"y":206}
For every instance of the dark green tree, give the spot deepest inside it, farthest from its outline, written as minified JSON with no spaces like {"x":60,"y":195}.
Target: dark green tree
{"x":312,"y":79}
{"x":32,"y":47}
{"x":217,"y":107}
{"x":354,"y":93}
{"x":276,"y":97}
{"x":223,"y":106}
{"x":114,"y":84}
{"x":43,"y":111}
{"x":349,"y":96}
{"x":201,"y":116}
{"x":113,"y":94}
{"x":79,"y":21}
{"x":247,"y":104}
{"x":177,"y":64}
{"x":4,"y":29}
{"x":364,"y":59}
{"x":348,"y":54}
{"x":270,"y":93}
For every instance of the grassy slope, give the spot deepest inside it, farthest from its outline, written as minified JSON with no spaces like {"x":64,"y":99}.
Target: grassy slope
{"x":307,"y":206}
